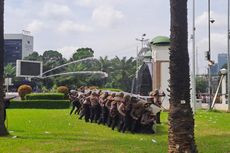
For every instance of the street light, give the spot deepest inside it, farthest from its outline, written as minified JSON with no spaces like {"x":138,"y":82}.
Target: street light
{"x":142,"y":40}
{"x":193,"y":63}
{"x":210,"y":62}
{"x":228,"y":39}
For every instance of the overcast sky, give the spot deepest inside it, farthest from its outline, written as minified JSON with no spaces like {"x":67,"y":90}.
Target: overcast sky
{"x":110,"y":27}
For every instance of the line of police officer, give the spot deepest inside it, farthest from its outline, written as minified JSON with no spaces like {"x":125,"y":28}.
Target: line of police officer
{"x":117,"y":110}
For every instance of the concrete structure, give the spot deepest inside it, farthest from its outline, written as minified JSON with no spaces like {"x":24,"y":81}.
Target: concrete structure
{"x":17,"y":46}
{"x":160,"y":58}
{"x":160,"y":73}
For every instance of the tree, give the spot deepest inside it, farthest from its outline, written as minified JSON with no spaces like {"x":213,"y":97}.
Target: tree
{"x":82,"y":53}
{"x":181,"y":123}
{"x":123,"y":73}
{"x":52,"y":59}
{"x":34,"y":56}
{"x":105,"y":64}
{"x":9,"y":70}
{"x":201,"y":85}
{"x":3,"y":130}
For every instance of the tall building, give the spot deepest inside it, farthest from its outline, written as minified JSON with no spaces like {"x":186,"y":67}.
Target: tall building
{"x":214,"y":69}
{"x":17,"y":46}
{"x":222,"y":59}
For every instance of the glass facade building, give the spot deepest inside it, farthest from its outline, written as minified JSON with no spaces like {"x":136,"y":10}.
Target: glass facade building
{"x":16,"y":47}
{"x":13,"y":51}
{"x":222,"y":59}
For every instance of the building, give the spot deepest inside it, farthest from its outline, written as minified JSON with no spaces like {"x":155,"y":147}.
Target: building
{"x":17,"y":46}
{"x":214,"y":69}
{"x":222,"y":59}
{"x":153,"y":73}
{"x":160,"y":53}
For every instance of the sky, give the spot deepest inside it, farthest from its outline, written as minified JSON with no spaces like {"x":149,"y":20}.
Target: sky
{"x":110,"y":27}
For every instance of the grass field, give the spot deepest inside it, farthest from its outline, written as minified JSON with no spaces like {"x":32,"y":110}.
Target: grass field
{"x":54,"y":131}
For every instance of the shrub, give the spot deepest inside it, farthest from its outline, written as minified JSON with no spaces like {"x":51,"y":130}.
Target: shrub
{"x":23,"y":90}
{"x":112,"y":89}
{"x":39,"y":104}
{"x":53,"y":89}
{"x":45,"y":96}
{"x":64,"y":90}
{"x":93,"y":88}
{"x":44,"y":89}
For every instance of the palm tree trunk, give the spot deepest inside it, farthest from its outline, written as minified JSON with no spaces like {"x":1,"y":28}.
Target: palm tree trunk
{"x":3,"y":130}
{"x":181,"y":122}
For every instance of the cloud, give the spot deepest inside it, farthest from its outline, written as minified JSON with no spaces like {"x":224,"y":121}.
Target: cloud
{"x":35,"y":26}
{"x":98,"y":3}
{"x":67,"y":51}
{"x":84,"y":2}
{"x":106,"y":16}
{"x":71,"y":26}
{"x":53,"y":10}
{"x":218,"y":45}
{"x":220,"y":19}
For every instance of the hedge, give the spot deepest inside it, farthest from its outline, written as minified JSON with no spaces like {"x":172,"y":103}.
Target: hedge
{"x":39,"y":104}
{"x":45,"y":96}
{"x":111,"y":89}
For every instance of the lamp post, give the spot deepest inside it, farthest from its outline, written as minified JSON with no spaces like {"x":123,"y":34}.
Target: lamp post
{"x":228,"y":61}
{"x":193,"y":62}
{"x":210,"y":62}
{"x":142,"y":40}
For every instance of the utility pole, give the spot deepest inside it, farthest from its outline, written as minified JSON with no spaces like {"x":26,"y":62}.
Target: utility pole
{"x":209,"y":59}
{"x":193,"y":62}
{"x":197,"y":67}
{"x":228,"y":61}
{"x":137,"y":64}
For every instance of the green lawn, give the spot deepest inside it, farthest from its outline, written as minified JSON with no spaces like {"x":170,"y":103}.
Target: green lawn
{"x":54,"y":131}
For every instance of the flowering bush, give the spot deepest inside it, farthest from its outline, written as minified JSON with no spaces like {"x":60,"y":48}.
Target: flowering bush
{"x":23,"y":90}
{"x":64,"y":90}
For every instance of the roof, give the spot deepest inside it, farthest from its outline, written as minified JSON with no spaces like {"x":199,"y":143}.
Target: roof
{"x":148,"y":54}
{"x":160,"y":40}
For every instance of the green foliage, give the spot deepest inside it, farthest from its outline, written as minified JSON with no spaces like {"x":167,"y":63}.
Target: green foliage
{"x":82,"y":53}
{"x":123,"y":71}
{"x":44,"y":89}
{"x":9,"y":71}
{"x":34,"y":57}
{"x":120,"y":71}
{"x":45,"y":96}
{"x":39,"y":104}
{"x":201,"y":84}
{"x":23,"y":90}
{"x":52,"y":59}
{"x":111,"y":89}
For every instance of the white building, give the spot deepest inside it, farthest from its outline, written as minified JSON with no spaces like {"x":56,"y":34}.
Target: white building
{"x":160,"y":58}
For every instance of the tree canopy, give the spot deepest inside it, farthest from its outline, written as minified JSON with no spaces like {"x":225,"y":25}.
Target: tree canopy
{"x":120,"y":71}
